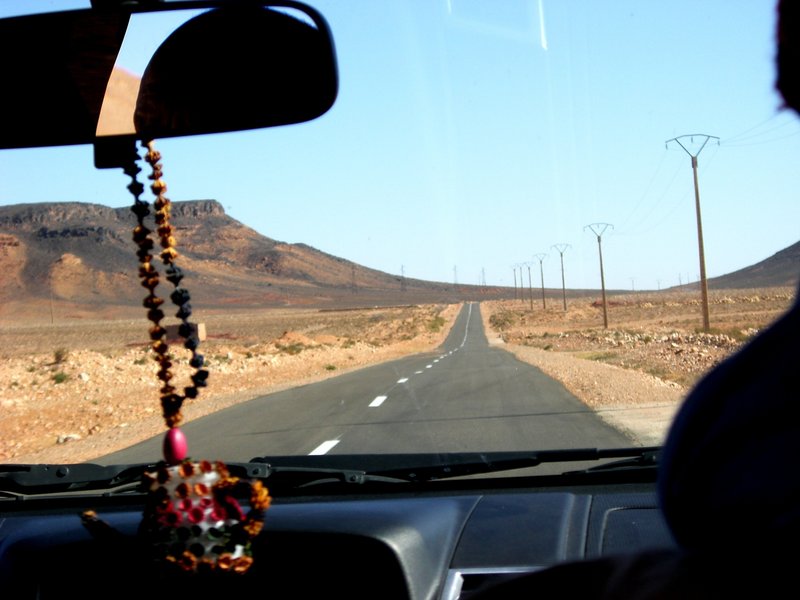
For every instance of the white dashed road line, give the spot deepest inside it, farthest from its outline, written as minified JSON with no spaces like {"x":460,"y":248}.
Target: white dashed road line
{"x":378,"y":401}
{"x":323,"y":448}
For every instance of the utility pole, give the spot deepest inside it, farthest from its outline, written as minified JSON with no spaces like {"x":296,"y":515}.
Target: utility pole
{"x":530,"y":284}
{"x":540,"y":258}
{"x":515,"y":282}
{"x":703,"y":283}
{"x":561,"y":248}
{"x":402,"y":278}
{"x":599,"y":229}
{"x":521,"y":282}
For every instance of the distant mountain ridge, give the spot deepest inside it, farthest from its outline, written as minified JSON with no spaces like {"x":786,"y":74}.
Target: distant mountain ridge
{"x":84,"y":253}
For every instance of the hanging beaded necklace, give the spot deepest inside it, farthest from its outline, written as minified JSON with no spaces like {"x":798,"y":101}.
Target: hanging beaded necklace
{"x":192,"y":521}
{"x":171,"y":402}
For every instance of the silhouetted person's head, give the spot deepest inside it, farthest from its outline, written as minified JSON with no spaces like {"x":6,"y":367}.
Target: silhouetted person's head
{"x":788,"y":53}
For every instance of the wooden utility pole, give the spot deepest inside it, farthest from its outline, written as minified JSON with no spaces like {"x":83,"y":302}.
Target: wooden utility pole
{"x":540,"y":258}
{"x":703,"y":282}
{"x":599,"y":229}
{"x":561,"y":248}
{"x":530,"y":285}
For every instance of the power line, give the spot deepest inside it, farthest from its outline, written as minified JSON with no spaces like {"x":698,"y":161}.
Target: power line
{"x":743,"y":135}
{"x":646,"y":191}
{"x":761,"y":143}
{"x":756,"y":126}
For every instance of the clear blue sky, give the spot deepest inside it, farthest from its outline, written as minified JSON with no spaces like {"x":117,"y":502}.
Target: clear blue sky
{"x":470,"y":136}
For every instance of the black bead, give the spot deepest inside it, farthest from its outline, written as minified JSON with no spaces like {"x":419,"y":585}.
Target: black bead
{"x":199,"y":378}
{"x":174,"y":274}
{"x":180,"y":296}
{"x":140,"y":209}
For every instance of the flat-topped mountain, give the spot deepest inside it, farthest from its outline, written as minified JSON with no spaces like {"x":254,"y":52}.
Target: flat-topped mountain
{"x":84,"y":253}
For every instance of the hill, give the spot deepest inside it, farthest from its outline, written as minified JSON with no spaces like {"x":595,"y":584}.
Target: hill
{"x":80,"y":257}
{"x":82,"y":254}
{"x":780,"y":269}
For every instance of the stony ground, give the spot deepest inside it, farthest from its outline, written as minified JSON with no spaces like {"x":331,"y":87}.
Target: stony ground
{"x":73,"y":391}
{"x":96,"y":391}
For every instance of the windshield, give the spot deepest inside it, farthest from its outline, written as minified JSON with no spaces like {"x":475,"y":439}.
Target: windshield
{"x":526,"y":225}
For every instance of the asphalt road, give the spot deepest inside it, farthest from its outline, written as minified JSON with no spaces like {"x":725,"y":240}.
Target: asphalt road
{"x":468,"y":396}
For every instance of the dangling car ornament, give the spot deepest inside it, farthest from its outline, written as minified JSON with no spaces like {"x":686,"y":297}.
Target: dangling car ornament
{"x":192,"y":519}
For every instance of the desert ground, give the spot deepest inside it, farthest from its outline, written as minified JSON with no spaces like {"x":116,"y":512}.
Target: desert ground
{"x":74,"y":389}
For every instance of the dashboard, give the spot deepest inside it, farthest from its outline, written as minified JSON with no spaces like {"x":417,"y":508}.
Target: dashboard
{"x":427,"y":545}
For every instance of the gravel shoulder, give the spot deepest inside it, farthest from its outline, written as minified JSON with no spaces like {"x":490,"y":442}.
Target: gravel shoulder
{"x":636,"y":373}
{"x":639,"y":405}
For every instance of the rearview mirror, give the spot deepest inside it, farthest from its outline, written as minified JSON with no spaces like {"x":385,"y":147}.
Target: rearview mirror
{"x":237,"y":66}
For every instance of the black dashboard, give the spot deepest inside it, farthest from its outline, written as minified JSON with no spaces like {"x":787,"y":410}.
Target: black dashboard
{"x":438,"y":545}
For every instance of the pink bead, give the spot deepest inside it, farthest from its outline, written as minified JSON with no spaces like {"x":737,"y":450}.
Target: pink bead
{"x":175,"y":446}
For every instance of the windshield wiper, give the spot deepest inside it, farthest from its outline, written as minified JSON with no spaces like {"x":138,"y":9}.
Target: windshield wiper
{"x":35,"y":479}
{"x":20,"y":481}
{"x":648,"y":458}
{"x":413,"y":468}
{"x":296,"y":472}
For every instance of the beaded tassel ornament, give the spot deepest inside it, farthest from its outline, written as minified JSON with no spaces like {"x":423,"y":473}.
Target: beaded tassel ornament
{"x":192,"y":521}
{"x":171,"y":402}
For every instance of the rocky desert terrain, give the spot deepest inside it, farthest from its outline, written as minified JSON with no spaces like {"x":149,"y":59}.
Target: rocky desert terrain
{"x":636,"y":372}
{"x":75,"y":390}
{"x":79,"y":389}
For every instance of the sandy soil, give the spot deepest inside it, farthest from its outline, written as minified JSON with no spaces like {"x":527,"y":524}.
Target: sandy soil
{"x":75,"y":390}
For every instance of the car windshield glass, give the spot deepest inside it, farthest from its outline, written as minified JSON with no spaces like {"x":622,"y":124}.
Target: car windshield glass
{"x":522,"y":226}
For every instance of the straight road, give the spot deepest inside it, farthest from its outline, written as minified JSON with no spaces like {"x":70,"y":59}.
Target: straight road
{"x":467,"y":396}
